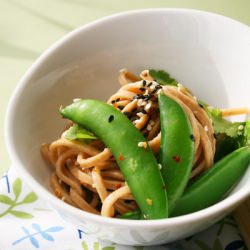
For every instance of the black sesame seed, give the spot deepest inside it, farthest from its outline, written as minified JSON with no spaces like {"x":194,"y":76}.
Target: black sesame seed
{"x":154,"y":91}
{"x":144,"y":83}
{"x":144,"y":111}
{"x":113,"y":101}
{"x":148,"y":97}
{"x":118,"y":99}
{"x":158,"y":86}
{"x":111,"y":118}
{"x":138,"y":96}
{"x":149,"y":84}
{"x":142,"y":89}
{"x":120,"y":107}
{"x":192,"y":137}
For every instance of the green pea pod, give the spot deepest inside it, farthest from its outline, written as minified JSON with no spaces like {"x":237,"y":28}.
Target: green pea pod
{"x":210,"y":187}
{"x":177,"y":148}
{"x":137,"y":164}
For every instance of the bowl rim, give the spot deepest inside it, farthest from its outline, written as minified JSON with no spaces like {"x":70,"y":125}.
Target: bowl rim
{"x":215,"y":209}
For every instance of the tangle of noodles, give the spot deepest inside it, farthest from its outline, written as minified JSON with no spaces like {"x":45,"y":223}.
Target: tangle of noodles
{"x":88,"y":177}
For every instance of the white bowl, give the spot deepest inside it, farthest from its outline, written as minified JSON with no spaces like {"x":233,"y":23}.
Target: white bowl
{"x":206,"y":52}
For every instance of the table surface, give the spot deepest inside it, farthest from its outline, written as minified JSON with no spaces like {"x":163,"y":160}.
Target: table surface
{"x":28,"y":27}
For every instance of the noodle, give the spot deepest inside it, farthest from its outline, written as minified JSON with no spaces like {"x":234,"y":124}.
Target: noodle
{"x":87,"y":175}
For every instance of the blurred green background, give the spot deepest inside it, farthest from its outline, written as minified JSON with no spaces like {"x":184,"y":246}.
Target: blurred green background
{"x":28,"y":27}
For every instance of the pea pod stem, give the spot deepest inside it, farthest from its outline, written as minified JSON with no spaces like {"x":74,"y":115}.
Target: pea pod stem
{"x":137,"y":164}
{"x":210,"y":187}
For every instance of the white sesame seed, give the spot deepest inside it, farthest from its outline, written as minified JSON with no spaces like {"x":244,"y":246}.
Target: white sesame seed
{"x":241,"y":127}
{"x":148,"y":106}
{"x":93,"y":185}
{"x":149,"y":127}
{"x":139,"y":103}
{"x":151,"y":122}
{"x":206,"y":128}
{"x":64,"y":134}
{"x":142,"y":144}
{"x":160,"y":166}
{"x":195,"y":98}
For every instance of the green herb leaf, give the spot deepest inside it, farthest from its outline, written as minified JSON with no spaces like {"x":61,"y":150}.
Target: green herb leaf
{"x":96,"y":246}
{"x":76,"y":132}
{"x":230,"y":135}
{"x":225,"y":145}
{"x":21,"y":214}
{"x":29,"y":198}
{"x":6,"y":199}
{"x":246,"y":133}
{"x":17,"y":187}
{"x":162,"y":77}
{"x":84,"y":245}
{"x":221,"y":125}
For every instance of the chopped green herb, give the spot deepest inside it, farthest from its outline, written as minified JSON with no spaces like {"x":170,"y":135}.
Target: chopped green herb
{"x":246,"y":134}
{"x":162,"y":77}
{"x":222,"y":125}
{"x":76,"y":132}
{"x":229,"y":135}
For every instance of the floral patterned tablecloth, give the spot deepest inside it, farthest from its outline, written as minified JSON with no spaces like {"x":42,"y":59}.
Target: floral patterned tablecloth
{"x":27,"y":222}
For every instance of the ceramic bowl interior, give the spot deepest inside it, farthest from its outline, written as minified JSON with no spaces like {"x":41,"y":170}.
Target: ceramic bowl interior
{"x":207,"y":53}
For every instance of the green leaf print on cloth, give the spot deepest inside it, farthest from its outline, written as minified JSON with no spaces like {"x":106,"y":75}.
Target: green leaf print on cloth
{"x":96,"y":246}
{"x":13,"y":203}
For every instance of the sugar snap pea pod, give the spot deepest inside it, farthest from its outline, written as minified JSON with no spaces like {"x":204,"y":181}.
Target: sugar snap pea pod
{"x":210,"y":187}
{"x":176,"y":149}
{"x":137,"y":164}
